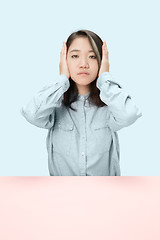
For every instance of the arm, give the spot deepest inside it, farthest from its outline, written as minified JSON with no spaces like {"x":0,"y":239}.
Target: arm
{"x":40,"y":111}
{"x":122,"y":111}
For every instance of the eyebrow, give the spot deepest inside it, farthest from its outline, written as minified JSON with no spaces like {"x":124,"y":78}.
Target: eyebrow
{"x":76,"y":50}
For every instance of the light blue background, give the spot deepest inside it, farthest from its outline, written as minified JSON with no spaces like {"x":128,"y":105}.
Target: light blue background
{"x":32,"y":33}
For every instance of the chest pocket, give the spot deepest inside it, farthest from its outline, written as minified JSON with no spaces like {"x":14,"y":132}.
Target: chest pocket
{"x":102,"y":136}
{"x":62,"y":137}
{"x":65,"y":127}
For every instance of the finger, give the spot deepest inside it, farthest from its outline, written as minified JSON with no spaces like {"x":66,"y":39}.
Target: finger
{"x":105,"y":54}
{"x":105,"y":49}
{"x":63,"y":49}
{"x":105,"y":45}
{"x":64,"y":46}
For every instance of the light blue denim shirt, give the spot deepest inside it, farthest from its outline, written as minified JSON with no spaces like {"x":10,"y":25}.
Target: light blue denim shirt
{"x":82,"y":143}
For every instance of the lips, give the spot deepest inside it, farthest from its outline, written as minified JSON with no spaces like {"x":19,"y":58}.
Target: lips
{"x":83,"y":73}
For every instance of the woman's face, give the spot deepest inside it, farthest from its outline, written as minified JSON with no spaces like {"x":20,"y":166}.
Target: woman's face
{"x":81,"y":58}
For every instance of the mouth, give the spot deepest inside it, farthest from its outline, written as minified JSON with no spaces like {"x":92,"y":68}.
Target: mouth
{"x":83,"y":74}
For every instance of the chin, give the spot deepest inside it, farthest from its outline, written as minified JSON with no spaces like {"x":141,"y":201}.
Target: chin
{"x":82,"y":81}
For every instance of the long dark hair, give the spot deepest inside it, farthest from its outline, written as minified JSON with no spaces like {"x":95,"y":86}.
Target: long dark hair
{"x":71,"y":94}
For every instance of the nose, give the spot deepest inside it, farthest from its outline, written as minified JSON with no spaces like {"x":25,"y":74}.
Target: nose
{"x":83,"y":62}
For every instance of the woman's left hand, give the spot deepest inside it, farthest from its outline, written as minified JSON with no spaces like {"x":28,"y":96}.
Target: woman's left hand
{"x":105,"y":61}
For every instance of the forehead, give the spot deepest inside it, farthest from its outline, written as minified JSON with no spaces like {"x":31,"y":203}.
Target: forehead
{"x":81,"y":44}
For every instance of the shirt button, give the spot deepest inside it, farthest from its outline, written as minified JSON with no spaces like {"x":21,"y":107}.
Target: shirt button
{"x":82,"y":153}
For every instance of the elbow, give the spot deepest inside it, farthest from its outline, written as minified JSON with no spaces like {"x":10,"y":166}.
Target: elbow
{"x":22,"y":111}
{"x":132,"y":116}
{"x":30,"y":117}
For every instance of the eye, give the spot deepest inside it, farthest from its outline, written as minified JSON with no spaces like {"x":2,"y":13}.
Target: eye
{"x":74,"y":56}
{"x":93,"y":56}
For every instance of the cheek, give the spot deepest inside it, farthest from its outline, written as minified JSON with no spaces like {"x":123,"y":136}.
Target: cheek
{"x":95,"y":65}
{"x":95,"y":68}
{"x":70,"y":65}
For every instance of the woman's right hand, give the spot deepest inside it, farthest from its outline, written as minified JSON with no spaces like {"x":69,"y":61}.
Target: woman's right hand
{"x":63,"y":66}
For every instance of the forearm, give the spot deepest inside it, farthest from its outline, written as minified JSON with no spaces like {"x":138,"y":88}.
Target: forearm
{"x":41,"y":108}
{"x":123,"y":111}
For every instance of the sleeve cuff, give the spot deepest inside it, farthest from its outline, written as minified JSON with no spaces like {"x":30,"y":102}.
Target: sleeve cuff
{"x":104,"y":77}
{"x":63,"y":81}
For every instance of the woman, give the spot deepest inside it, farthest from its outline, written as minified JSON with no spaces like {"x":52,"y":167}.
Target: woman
{"x":82,"y":110}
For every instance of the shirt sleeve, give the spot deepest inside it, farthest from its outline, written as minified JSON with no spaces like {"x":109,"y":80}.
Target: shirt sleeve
{"x":122,"y":110}
{"x":40,"y":110}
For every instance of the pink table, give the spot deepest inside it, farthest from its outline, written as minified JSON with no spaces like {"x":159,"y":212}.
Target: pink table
{"x":76,"y":208}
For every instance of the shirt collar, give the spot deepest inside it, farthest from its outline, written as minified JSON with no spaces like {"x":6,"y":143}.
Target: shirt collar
{"x":83,"y":97}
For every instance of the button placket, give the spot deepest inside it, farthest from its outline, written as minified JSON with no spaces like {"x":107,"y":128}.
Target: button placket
{"x":82,"y":157}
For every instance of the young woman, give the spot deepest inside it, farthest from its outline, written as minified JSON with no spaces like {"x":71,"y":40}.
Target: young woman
{"x":82,"y":110}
